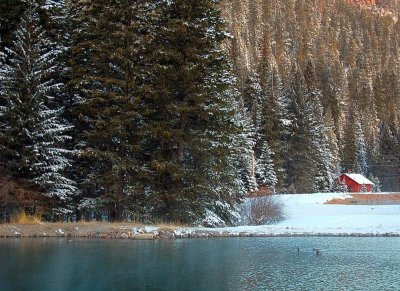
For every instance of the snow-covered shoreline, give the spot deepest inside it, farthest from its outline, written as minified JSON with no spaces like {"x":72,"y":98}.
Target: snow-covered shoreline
{"x":306,"y":215}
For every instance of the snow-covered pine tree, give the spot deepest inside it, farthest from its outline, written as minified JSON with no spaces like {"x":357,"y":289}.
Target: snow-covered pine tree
{"x":259,"y":106}
{"x":389,"y":156}
{"x":377,"y":183}
{"x":361,"y":165}
{"x":327,"y":170}
{"x":58,"y":29}
{"x":354,"y":145}
{"x":340,"y":187}
{"x":310,"y":162}
{"x":107,"y":74}
{"x":188,"y":113}
{"x":361,"y":85}
{"x":252,"y":99}
{"x":275,"y":119}
{"x":229,"y":188}
{"x":333,"y":143}
{"x":265,"y":172}
{"x":348,"y":160}
{"x":246,"y":147}
{"x":3,"y":70}
{"x":324,"y":159}
{"x":300,"y":164}
{"x":34,"y":133}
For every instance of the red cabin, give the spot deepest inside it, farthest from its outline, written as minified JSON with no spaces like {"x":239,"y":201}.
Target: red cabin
{"x":356,"y":182}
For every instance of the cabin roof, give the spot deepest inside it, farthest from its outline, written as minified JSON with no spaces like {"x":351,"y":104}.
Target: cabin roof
{"x":359,"y":179}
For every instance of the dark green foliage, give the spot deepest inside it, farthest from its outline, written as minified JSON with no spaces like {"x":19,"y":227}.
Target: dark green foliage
{"x":10,"y":16}
{"x":105,"y":76}
{"x":33,"y":134}
{"x":301,"y":167}
{"x":275,"y":119}
{"x":188,"y":115}
{"x":309,"y":159}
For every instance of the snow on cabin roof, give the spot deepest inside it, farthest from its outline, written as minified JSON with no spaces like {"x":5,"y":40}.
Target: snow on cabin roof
{"x":360,"y":179}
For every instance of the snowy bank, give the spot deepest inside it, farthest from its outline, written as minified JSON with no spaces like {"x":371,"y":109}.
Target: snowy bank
{"x":307,"y":214}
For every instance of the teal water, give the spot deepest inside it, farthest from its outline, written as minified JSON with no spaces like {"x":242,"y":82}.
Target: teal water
{"x":201,"y":264}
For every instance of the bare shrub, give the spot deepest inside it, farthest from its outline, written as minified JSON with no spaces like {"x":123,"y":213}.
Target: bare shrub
{"x":263,"y":210}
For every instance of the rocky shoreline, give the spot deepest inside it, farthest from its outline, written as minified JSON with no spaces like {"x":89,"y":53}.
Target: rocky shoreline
{"x":124,"y":231}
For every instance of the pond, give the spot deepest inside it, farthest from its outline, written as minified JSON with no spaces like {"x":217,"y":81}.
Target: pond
{"x":346,"y":263}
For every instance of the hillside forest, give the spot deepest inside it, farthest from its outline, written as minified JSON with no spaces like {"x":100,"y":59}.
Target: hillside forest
{"x":175,"y":110}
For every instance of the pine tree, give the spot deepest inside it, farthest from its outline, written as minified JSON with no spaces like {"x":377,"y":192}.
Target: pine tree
{"x":333,"y":142}
{"x":385,"y":165}
{"x":10,"y":14}
{"x":275,"y":119}
{"x":377,"y":183}
{"x":354,"y":146}
{"x":107,"y":73}
{"x":58,"y":29}
{"x":361,"y":165}
{"x":340,"y":187}
{"x":265,"y":171}
{"x":362,"y":91}
{"x":301,"y":167}
{"x":324,"y":159}
{"x":310,"y":162}
{"x":34,"y":135}
{"x":252,"y":99}
{"x":247,"y":147}
{"x":188,"y":113}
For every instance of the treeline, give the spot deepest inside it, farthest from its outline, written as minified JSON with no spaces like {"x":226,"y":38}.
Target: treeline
{"x":132,"y":109}
{"x":118,"y":110}
{"x":331,"y":69}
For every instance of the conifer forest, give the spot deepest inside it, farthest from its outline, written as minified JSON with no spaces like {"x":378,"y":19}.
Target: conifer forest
{"x":175,"y":110}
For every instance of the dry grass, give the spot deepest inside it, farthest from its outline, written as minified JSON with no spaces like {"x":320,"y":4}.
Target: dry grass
{"x":367,"y":198}
{"x":23,"y":218}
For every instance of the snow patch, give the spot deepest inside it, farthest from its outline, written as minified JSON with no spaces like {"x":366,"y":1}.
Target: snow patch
{"x":307,"y":214}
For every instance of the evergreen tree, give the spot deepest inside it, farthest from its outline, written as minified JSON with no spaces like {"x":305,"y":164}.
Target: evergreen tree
{"x":106,"y":74}
{"x":188,"y":115}
{"x":248,"y":141}
{"x":340,"y":187}
{"x":324,"y":159}
{"x":361,"y":165}
{"x":377,"y":183}
{"x":265,"y":171}
{"x":58,"y":30}
{"x":333,"y":142}
{"x":33,"y":135}
{"x":275,"y":119}
{"x":386,"y":164}
{"x":252,"y":99}
{"x":301,"y":167}
{"x":354,"y":150}
{"x":10,"y":15}
{"x":310,"y":162}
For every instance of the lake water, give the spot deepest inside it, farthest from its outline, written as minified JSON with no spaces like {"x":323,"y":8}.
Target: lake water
{"x":201,"y":264}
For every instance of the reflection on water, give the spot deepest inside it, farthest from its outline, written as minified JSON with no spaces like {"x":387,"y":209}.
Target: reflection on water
{"x":201,"y":264}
